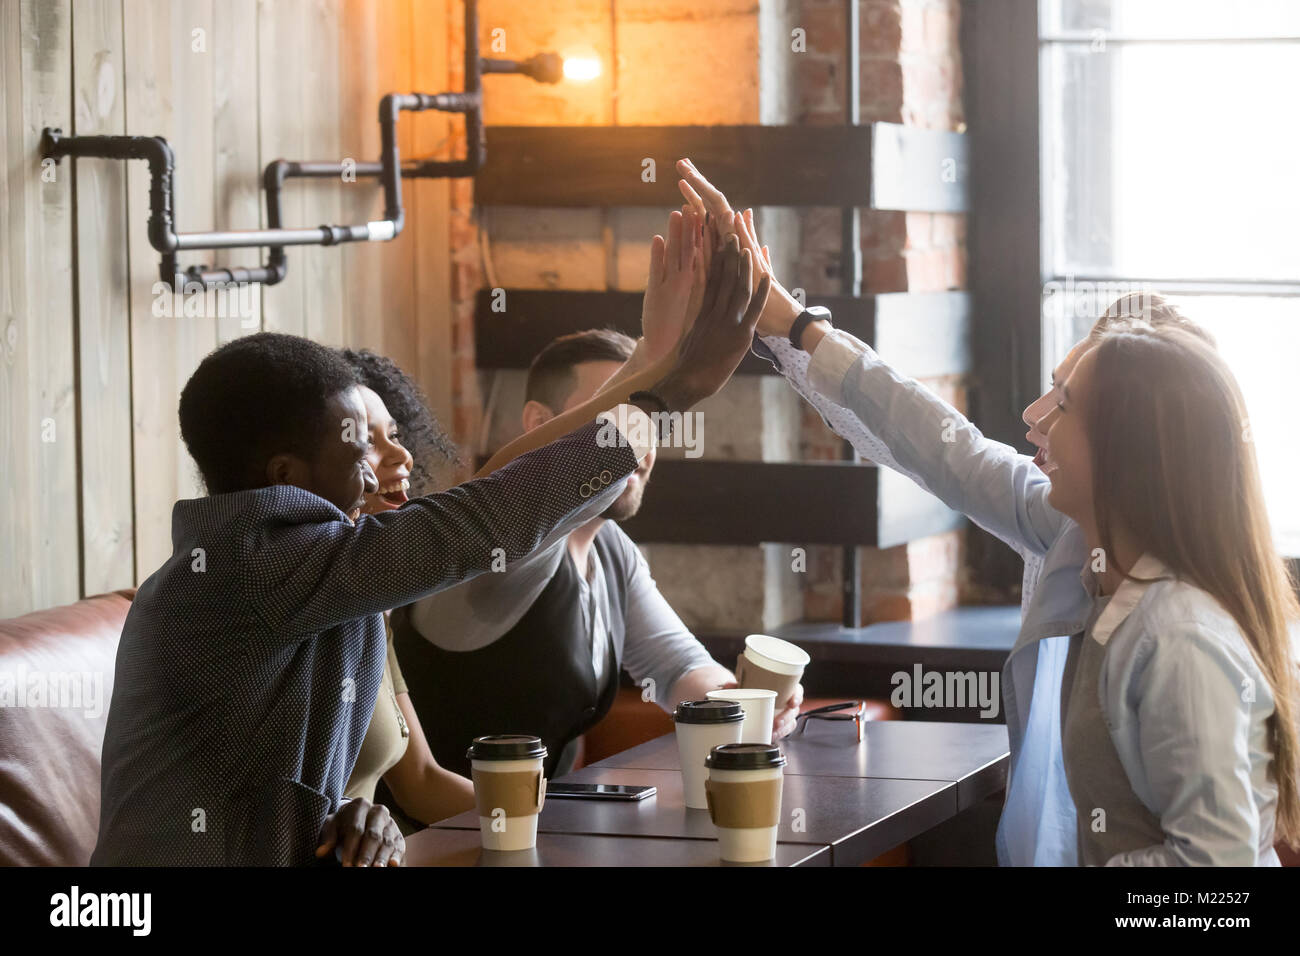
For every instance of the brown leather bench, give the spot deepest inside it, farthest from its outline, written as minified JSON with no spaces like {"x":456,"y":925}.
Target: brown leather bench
{"x":50,"y":754}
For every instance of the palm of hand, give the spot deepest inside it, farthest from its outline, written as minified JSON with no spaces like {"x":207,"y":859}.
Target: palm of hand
{"x":668,"y":294}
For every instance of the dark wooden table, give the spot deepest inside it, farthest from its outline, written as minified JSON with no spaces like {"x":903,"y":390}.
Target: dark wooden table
{"x":972,"y":757}
{"x":843,"y":802}
{"x":860,"y":662}
{"x":438,"y":846}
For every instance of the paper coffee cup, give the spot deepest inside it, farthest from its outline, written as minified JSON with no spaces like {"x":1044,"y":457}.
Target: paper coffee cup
{"x":759,"y":705}
{"x":771,"y":663}
{"x":744,"y":793}
{"x":701,"y":726}
{"x":509,"y":787}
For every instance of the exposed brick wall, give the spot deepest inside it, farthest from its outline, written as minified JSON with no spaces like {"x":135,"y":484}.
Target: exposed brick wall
{"x":910,"y":72}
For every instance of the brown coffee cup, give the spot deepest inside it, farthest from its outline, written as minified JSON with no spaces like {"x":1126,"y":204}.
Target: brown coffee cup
{"x":744,"y":796}
{"x":509,"y":789}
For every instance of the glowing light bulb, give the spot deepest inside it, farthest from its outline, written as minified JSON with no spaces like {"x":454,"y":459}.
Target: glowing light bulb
{"x":581,"y":68}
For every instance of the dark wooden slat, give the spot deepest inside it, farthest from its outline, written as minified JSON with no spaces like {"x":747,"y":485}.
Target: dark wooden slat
{"x":533,"y":318}
{"x":883,"y":166}
{"x":749,"y":502}
{"x":925,"y":334}
{"x":907,"y":511}
{"x":918,"y":170}
{"x":602,"y":165}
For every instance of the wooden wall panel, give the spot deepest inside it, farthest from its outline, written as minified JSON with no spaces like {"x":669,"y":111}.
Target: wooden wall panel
{"x":231,"y":84}
{"x":281,"y":52}
{"x":237,"y":165}
{"x":103,"y":304}
{"x":428,"y":214}
{"x":39,"y":552}
{"x":298,"y":118}
{"x":169,"y":92}
{"x":374,"y":58}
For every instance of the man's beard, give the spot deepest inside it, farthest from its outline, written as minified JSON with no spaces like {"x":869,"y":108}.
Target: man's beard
{"x":628,"y":503}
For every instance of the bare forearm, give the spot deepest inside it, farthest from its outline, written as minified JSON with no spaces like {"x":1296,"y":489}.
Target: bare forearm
{"x":615,"y":392}
{"x":638,"y":362}
{"x":697,"y":682}
{"x":437,"y":794}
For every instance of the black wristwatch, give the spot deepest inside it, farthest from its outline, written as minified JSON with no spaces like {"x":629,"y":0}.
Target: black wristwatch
{"x":814,"y":313}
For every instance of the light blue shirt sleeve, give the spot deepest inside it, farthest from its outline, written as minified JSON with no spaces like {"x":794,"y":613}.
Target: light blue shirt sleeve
{"x":1185,"y":719}
{"x":896,"y":422}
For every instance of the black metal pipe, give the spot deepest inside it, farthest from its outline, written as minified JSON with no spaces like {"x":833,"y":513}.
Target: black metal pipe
{"x":390,"y":170}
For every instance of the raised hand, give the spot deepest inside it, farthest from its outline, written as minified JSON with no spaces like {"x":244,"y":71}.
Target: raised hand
{"x":703,"y":261}
{"x":782,"y":308}
{"x":674,"y":264}
{"x":721,"y":335}
{"x":704,"y":197}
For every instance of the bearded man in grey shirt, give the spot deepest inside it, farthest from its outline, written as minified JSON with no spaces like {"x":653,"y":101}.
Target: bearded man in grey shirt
{"x":537,"y":648}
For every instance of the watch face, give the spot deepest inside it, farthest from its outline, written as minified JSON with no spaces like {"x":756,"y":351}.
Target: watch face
{"x":818,"y":311}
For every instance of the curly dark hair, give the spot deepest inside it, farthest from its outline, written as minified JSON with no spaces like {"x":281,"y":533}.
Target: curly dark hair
{"x":259,"y":396}
{"x":417,"y":428}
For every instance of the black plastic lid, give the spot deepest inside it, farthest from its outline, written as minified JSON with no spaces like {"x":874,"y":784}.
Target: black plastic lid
{"x":506,"y":747}
{"x":708,"y":712}
{"x":745,"y":757}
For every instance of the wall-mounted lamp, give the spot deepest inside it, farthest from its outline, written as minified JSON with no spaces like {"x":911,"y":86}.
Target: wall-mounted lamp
{"x":581,"y":68}
{"x":543,"y":67}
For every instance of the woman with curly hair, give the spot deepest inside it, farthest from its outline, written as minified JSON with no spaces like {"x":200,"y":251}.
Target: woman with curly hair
{"x":407,"y":445}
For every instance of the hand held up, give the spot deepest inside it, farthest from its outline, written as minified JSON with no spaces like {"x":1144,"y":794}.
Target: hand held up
{"x":720,"y":335}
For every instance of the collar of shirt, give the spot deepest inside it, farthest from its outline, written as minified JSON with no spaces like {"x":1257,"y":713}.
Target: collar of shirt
{"x":1127,"y":595}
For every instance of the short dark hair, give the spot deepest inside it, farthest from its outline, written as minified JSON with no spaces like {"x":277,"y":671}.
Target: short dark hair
{"x":256,"y":397}
{"x":551,"y":379}
{"x":418,"y":429}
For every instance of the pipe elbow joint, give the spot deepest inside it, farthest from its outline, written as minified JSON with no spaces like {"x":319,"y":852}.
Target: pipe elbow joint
{"x":273,"y":175}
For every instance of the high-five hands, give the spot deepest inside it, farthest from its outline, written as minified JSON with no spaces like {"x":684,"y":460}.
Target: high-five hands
{"x":721,"y":334}
{"x":782,"y":308}
{"x":674,"y":265}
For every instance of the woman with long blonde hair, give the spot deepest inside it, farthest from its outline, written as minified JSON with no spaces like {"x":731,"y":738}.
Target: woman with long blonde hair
{"x":1179,"y":727}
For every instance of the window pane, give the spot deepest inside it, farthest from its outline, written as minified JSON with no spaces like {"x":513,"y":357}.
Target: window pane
{"x":1175,"y":161}
{"x":1172,"y":18}
{"x":1259,"y":338}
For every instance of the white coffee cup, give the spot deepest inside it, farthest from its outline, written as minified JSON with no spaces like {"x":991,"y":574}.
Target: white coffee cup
{"x":771,"y":663}
{"x":701,"y":726}
{"x":508,"y":806}
{"x":760,"y":709}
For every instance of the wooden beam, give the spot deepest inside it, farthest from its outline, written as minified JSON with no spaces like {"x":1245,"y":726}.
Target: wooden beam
{"x":926,"y":334}
{"x":883,"y":166}
{"x":750,"y":502}
{"x":918,"y":170}
{"x":607,"y":165}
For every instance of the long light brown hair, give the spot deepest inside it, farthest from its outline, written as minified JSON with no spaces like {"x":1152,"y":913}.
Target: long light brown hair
{"x":1174,"y":465}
